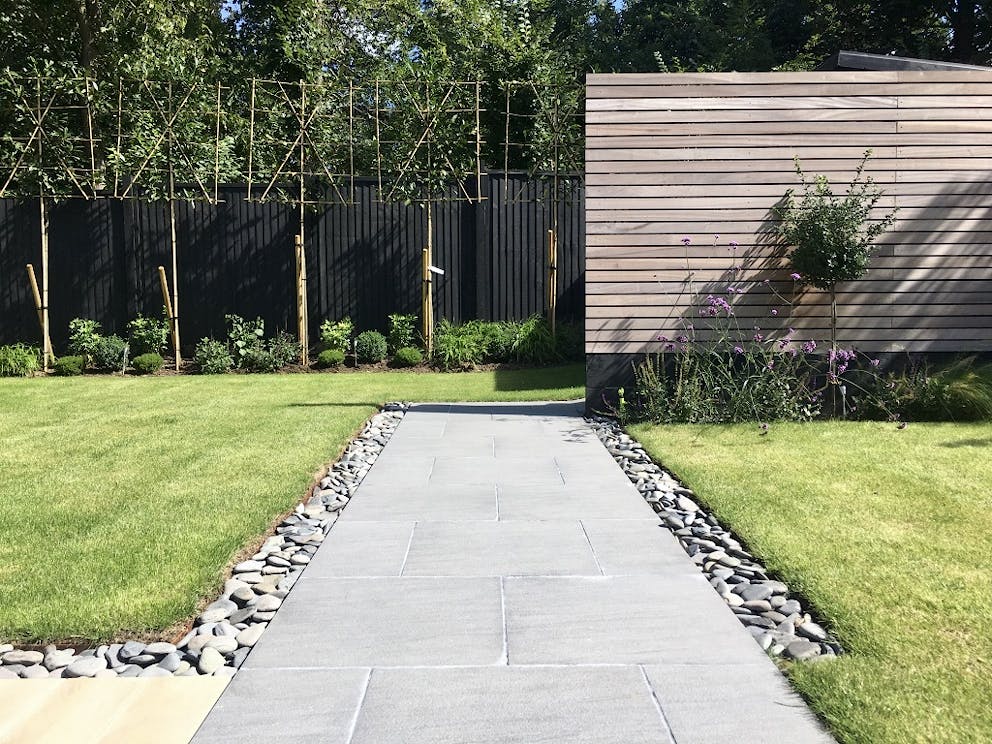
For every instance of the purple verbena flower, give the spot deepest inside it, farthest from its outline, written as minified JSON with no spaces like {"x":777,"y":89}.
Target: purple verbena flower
{"x":795,"y":277}
{"x":875,"y":362}
{"x":686,"y":240}
{"x":738,"y":350}
{"x":774,"y":312}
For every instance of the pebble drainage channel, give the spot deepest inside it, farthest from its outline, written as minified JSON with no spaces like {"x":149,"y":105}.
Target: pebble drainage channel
{"x":225,"y":632}
{"x":778,"y":622}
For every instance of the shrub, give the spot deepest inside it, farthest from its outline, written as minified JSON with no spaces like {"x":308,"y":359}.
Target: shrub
{"x":402,"y":332}
{"x":457,"y":347}
{"x":19,"y":360}
{"x":958,"y":392}
{"x":245,"y":340}
{"x":284,"y":348}
{"x":370,"y":347}
{"x":69,"y":366}
{"x":84,"y":335}
{"x":145,"y":364}
{"x":535,"y":343}
{"x":212,"y":357}
{"x":109,"y":354}
{"x":337,"y":335}
{"x":493,"y":339}
{"x":570,"y":341}
{"x":330,"y":358}
{"x":259,"y":359}
{"x":407,"y":356}
{"x":147,"y":335}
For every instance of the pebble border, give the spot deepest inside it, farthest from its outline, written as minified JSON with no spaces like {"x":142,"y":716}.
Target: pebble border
{"x":227,"y":629}
{"x":778,"y":622}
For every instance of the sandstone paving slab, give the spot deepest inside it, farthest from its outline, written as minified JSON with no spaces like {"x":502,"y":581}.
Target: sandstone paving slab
{"x":636,"y":546}
{"x":622,"y":620}
{"x":362,"y":549}
{"x":500,"y":549}
{"x":510,"y":705}
{"x":281,"y":707}
{"x":365,"y":622}
{"x":570,"y":503}
{"x":92,"y":711}
{"x":476,"y":501}
{"x":750,"y":703}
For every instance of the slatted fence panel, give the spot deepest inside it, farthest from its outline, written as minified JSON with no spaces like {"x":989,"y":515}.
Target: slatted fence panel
{"x":704,"y":155}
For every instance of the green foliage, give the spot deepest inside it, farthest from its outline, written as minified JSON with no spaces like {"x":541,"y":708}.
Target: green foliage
{"x":145,"y":364}
{"x":833,"y":236}
{"x":147,"y":335}
{"x":535,"y":343}
{"x":495,"y":339}
{"x":960,"y":391}
{"x":19,"y":360}
{"x":69,"y":366}
{"x":407,"y":356}
{"x":246,"y":342}
{"x":370,"y":347}
{"x":701,"y":384}
{"x":457,"y":347}
{"x":84,"y":336}
{"x":337,"y":335}
{"x":109,"y":354}
{"x":212,"y":357}
{"x":402,"y":331}
{"x":284,"y":348}
{"x":330,"y":358}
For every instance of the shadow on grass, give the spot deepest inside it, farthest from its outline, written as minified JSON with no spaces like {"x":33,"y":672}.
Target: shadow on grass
{"x":541,"y":378}
{"x":987,"y":442}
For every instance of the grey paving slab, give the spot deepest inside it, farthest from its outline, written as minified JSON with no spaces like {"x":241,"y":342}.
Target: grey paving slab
{"x":534,"y":470}
{"x":475,"y":501}
{"x":500,"y":549}
{"x":622,"y":620}
{"x":564,"y":502}
{"x":750,"y":703}
{"x":362,"y":549}
{"x":636,"y":546}
{"x":309,"y":705}
{"x":510,"y":705}
{"x":460,"y":598}
{"x":385,"y":622}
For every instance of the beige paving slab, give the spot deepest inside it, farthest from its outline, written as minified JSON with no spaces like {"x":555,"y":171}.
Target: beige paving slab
{"x":105,"y":711}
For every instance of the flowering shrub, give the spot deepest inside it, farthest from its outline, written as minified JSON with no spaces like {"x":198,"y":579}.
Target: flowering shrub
{"x":721,"y":370}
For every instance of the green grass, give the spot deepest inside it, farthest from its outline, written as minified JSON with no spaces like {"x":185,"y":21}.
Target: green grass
{"x":122,"y":499}
{"x":889,"y":533}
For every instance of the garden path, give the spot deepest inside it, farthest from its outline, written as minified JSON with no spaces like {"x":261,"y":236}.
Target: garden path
{"x":497,"y":579}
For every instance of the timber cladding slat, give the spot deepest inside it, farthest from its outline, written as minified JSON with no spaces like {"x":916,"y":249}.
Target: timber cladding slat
{"x":705,"y":157}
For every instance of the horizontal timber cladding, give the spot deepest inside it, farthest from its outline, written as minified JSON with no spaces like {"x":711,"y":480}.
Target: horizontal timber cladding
{"x":704,"y":159}
{"x":363,"y":259}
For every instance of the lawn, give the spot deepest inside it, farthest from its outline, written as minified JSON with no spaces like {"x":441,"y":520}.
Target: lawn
{"x":123,"y":499}
{"x":889,"y":533}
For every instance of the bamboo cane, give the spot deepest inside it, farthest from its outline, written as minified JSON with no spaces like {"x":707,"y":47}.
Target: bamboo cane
{"x":174,"y":305}
{"x":425,"y":301}
{"x":552,"y":278}
{"x":46,"y":341}
{"x":45,"y":325}
{"x":302,"y":315}
{"x":164,"y":282}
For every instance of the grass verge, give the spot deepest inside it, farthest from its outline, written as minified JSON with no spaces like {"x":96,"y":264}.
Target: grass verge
{"x":124,"y":498}
{"x":889,"y":533}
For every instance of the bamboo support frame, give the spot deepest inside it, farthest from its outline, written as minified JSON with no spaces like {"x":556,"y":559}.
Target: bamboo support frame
{"x":167,"y":301}
{"x":552,"y":279}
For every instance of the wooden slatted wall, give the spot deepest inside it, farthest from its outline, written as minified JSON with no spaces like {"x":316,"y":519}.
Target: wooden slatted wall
{"x":696,"y":156}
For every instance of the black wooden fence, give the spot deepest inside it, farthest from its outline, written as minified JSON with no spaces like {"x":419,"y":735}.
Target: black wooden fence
{"x":364,"y":259}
